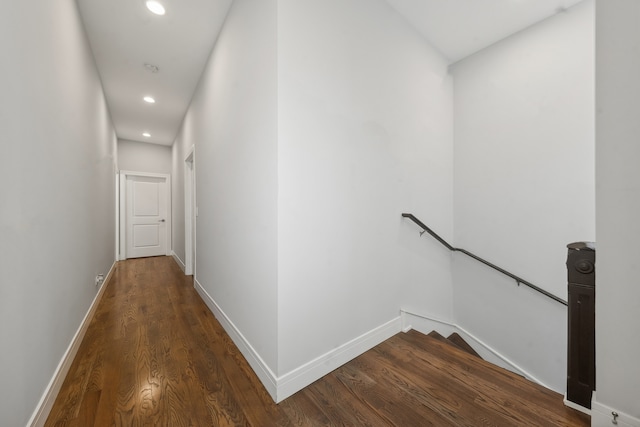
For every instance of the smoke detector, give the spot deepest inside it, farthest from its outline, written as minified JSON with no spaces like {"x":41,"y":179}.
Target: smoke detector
{"x":151,"y":68}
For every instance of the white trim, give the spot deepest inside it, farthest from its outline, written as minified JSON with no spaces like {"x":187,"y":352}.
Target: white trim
{"x":123,"y":213}
{"x":178,"y":260}
{"x":117,"y":214}
{"x":601,"y":415}
{"x":259,"y":366}
{"x":306,"y":374}
{"x":284,"y":386}
{"x":146,"y":174}
{"x":39,"y":416}
{"x":122,"y":231}
{"x":575,"y":406}
{"x":426,"y":324}
{"x":190,"y":212}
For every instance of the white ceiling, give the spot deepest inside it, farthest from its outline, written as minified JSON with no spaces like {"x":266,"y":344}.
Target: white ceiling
{"x":459,"y":28}
{"x":124,"y":36}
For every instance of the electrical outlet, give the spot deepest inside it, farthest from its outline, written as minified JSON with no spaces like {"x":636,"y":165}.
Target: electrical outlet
{"x":99,"y":279}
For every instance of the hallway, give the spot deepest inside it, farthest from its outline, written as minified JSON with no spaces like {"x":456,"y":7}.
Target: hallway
{"x":155,"y":355}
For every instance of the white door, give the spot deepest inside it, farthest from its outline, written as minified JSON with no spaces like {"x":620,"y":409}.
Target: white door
{"x":146,"y":216}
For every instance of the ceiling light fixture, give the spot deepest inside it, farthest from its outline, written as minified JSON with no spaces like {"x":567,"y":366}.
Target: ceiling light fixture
{"x":155,"y":7}
{"x":146,"y":135}
{"x":149,"y":99}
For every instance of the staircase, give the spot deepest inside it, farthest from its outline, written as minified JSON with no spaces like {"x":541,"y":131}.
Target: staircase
{"x":413,"y":379}
{"x":456,"y":340}
{"x":472,"y":391}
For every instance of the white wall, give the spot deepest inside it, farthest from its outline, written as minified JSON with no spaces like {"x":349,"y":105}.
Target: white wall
{"x":524,"y":184}
{"x":618,"y":210}
{"x":365,"y":133}
{"x":57,"y":210}
{"x":317,"y":123}
{"x":232,"y":121}
{"x":340,"y":175}
{"x":144,"y":157}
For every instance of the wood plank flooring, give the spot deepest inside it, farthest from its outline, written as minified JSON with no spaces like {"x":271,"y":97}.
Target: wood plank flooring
{"x":154,"y":355}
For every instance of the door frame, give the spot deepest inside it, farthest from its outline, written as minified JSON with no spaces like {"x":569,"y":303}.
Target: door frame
{"x":122,"y":250}
{"x":190,"y":213}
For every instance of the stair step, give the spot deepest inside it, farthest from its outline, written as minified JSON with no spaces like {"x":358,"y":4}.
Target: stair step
{"x":460,"y":342}
{"x":456,"y":341}
{"x":436,"y":335}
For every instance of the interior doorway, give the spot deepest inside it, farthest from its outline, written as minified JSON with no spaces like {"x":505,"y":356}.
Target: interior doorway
{"x":145,"y":215}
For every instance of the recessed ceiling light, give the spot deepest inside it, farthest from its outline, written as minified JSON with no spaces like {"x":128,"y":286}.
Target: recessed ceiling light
{"x":149,"y":99}
{"x":155,"y":7}
{"x":146,"y":135}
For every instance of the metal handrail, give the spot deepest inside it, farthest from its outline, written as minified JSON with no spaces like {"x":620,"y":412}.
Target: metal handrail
{"x":518,"y":279}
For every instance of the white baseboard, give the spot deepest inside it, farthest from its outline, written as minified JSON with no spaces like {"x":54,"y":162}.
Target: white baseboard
{"x":575,"y":406}
{"x":426,"y":324}
{"x":284,"y":386}
{"x":602,"y":415}
{"x":306,"y":374}
{"x":259,"y":366}
{"x":178,"y":261}
{"x":48,"y":398}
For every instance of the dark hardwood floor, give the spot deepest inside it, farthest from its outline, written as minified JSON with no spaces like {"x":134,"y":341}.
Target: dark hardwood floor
{"x":154,"y":355}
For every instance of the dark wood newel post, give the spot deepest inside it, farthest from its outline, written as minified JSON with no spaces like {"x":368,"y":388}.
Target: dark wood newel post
{"x":581,"y":354}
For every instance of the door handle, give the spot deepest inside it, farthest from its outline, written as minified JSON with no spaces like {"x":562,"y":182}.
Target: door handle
{"x":162,"y":220}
